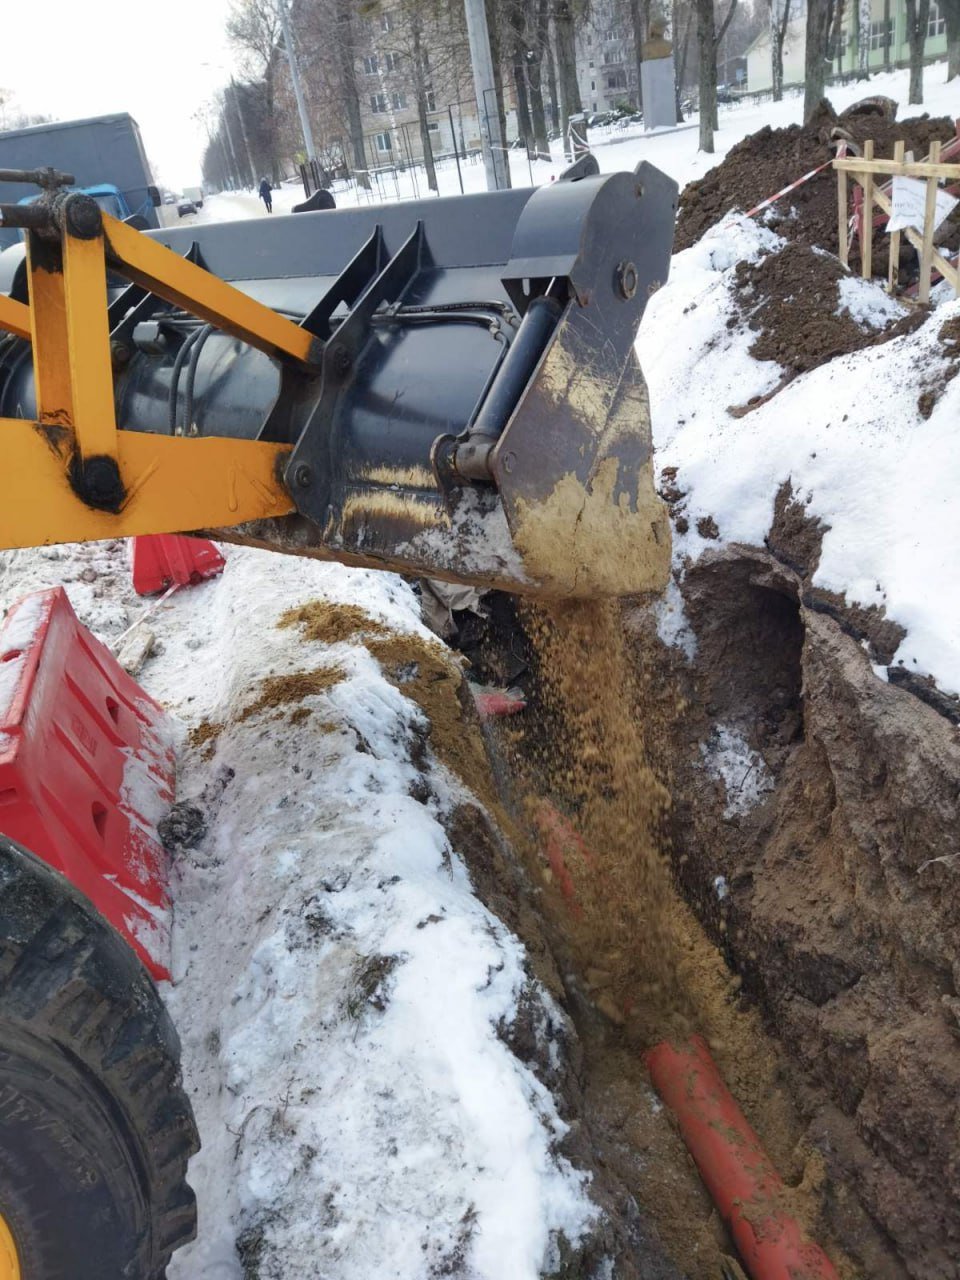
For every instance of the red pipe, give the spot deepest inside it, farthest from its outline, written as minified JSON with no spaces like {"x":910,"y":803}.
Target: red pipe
{"x":739,"y":1175}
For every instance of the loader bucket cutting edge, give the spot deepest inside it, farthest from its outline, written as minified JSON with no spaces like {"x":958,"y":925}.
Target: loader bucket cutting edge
{"x":476,"y":411}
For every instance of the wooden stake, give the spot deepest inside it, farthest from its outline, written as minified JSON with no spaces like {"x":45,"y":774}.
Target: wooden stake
{"x":929,"y":213}
{"x":842,"y":236}
{"x":894,"y":268}
{"x":866,"y":217}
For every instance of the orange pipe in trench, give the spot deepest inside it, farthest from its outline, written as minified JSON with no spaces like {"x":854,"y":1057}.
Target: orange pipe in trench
{"x":745,"y":1186}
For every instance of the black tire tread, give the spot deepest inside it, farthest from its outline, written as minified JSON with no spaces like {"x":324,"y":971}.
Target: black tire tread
{"x":67,"y":976}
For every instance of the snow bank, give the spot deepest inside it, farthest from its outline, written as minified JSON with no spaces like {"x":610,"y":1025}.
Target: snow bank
{"x":848,"y":436}
{"x":340,"y":992}
{"x":339,"y":984}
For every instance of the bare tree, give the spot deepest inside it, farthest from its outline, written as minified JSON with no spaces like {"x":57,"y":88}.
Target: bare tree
{"x":422,"y":48}
{"x":682,"y":19}
{"x":539,"y":48}
{"x":951,"y":12}
{"x":565,"y":14}
{"x":918,"y":15}
{"x":515,"y":13}
{"x":817,"y":57}
{"x":863,"y":18}
{"x":494,"y":13}
{"x":254,"y":27}
{"x":718,"y":40}
{"x":779,"y":21}
{"x":347,"y":67}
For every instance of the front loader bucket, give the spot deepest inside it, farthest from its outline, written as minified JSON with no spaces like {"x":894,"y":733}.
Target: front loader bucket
{"x":467,"y":403}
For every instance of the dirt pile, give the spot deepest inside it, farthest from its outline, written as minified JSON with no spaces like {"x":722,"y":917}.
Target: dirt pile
{"x":771,"y":159}
{"x":792,"y":300}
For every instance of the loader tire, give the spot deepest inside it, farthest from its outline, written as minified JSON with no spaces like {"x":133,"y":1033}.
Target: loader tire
{"x":95,"y":1129}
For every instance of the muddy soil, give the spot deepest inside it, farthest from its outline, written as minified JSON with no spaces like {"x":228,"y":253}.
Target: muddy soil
{"x":590,"y":814}
{"x":832,"y":895}
{"x":792,"y":300}
{"x":771,"y":159}
{"x":840,"y":910}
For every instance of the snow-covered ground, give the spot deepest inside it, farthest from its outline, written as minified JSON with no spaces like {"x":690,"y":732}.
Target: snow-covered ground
{"x":340,"y":992}
{"x":848,"y":436}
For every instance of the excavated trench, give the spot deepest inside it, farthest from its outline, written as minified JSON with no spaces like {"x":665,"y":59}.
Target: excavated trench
{"x":767,"y":856}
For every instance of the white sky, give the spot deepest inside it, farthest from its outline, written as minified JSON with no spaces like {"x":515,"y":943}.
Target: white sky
{"x":71,"y":60}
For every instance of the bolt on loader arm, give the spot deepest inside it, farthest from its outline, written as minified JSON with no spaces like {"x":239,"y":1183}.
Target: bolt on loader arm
{"x":445,"y":387}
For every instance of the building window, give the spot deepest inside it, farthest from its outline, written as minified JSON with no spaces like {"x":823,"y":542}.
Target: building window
{"x":384,"y":142}
{"x":936,"y":22}
{"x":391,"y":61}
{"x":879,"y":31}
{"x":370,"y":65}
{"x":433,"y":126}
{"x":591,"y":64}
{"x":378,"y":103}
{"x":386,"y":22}
{"x":431,"y":98}
{"x":617,"y":80}
{"x":399,"y":101}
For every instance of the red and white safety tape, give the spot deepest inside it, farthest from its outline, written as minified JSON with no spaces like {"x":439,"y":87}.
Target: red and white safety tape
{"x":765,"y":204}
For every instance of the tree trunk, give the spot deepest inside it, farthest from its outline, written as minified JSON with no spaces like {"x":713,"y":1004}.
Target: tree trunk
{"x":493,"y":27}
{"x":524,"y":126}
{"x":567,"y":64}
{"x":535,"y":81}
{"x":918,"y":14}
{"x":552,"y":91}
{"x":680,"y":46}
{"x":836,"y":51}
{"x":638,"y":14}
{"x":817,"y":55}
{"x":887,"y":36}
{"x":707,"y":49}
{"x":863,"y":17}
{"x":351,"y":93}
{"x":717,"y":41}
{"x":951,"y":11}
{"x":519,"y":67}
{"x":420,"y":80}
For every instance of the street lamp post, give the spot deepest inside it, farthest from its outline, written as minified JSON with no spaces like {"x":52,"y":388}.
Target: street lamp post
{"x":494,"y":154}
{"x":295,"y":77}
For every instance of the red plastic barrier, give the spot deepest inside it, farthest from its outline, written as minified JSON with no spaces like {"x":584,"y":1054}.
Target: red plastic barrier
{"x":162,"y":560}
{"x":739,"y":1175}
{"x":85,"y":768}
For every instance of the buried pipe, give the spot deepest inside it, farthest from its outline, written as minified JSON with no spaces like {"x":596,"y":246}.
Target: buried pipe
{"x":737,"y":1172}
{"x":740,"y":1177}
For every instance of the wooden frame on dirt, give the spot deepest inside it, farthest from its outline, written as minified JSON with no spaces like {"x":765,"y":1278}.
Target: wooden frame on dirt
{"x":864,"y":172}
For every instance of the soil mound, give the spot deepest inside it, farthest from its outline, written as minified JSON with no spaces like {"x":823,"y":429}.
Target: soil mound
{"x":771,"y":159}
{"x":792,"y":299}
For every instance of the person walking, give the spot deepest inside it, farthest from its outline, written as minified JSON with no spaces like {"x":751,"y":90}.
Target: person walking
{"x":265,"y":195}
